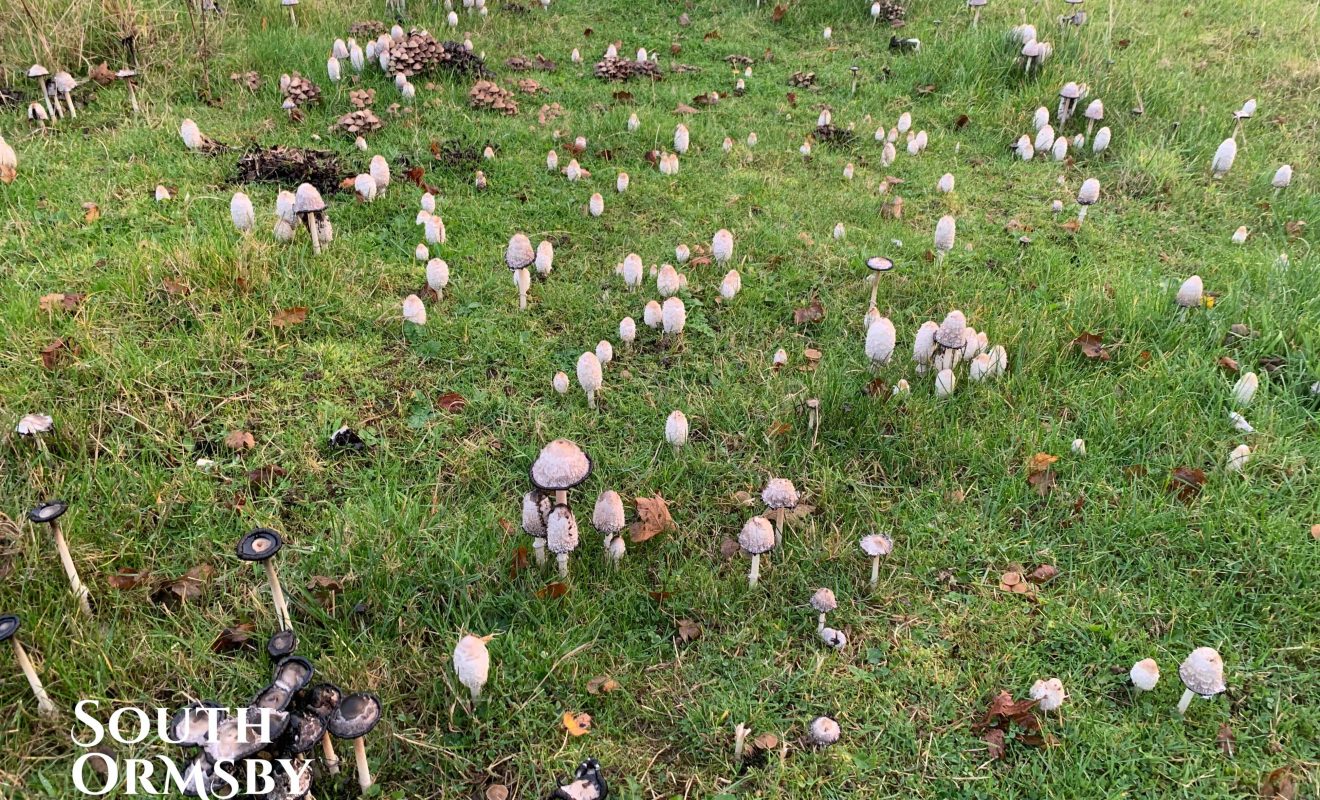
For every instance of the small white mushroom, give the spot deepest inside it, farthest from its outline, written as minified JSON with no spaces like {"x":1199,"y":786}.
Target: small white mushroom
{"x":1145,"y":674}
{"x":1225,"y":154}
{"x":751,"y":139}
{"x":1203,"y":674}
{"x":676,"y":429}
{"x":1087,"y":196}
{"x":608,"y":515}
{"x":632,"y":271}
{"x":834,"y":638}
{"x":240,"y":211}
{"x":1049,"y":693}
{"x":1237,"y":460}
{"x":561,"y":536}
{"x":621,"y":183}
{"x":824,"y":731}
{"x":191,"y":135}
{"x":881,"y":339}
{"x":604,"y":352}
{"x":545,"y":257}
{"x":427,"y":202}
{"x":1079,"y":447}
{"x":1101,"y":141}
{"x":681,"y":139}
{"x":332,"y":69}
{"x":589,"y":376}
{"x":668,"y":282}
{"x":1190,"y":292}
{"x":946,"y":183}
{"x":824,"y":602}
{"x":876,"y":545}
{"x":472,"y":663}
{"x":779,"y":359}
{"x":923,"y":344}
{"x":839,"y":231}
{"x":379,"y":169}
{"x":552,"y":161}
{"x":757,"y":537}
{"x":1095,"y":112}
{"x":560,"y":383}
{"x":731,"y":285}
{"x":1240,"y":235}
{"x":1059,"y":151}
{"x":437,"y":277}
{"x":945,"y":383}
{"x":980,"y":368}
{"x":421,"y":252}
{"x":596,"y":205}
{"x":162,"y":194}
{"x":888,"y":154}
{"x":945,"y":232}
{"x":682,"y":253}
{"x":414,"y":310}
{"x":627,"y":330}
{"x":673,"y":316}
{"x":364,"y":186}
{"x":848,"y":171}
{"x":1282,"y":177}
{"x":653,"y":314}
{"x":633,"y":122}
{"x":1240,"y":423}
{"x":721,"y":246}
{"x":779,"y":496}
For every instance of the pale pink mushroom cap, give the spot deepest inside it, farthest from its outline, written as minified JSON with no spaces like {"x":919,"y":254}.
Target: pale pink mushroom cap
{"x":757,"y":536}
{"x":1203,"y":672}
{"x":561,"y":465}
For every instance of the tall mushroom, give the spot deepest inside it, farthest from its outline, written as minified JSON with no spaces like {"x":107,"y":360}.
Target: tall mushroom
{"x":876,"y":545}
{"x":39,"y":74}
{"x":1244,"y":390}
{"x":721,"y":246}
{"x":49,"y":513}
{"x":545,"y":257}
{"x":676,"y":429}
{"x":310,"y":209}
{"x":1190,"y":292}
{"x":945,"y":231}
{"x":379,"y":170}
{"x":608,"y":514}
{"x":589,"y":376}
{"x":1145,"y":674}
{"x":1068,"y":97}
{"x":1095,"y":112}
{"x":9,"y":625}
{"x":561,"y":536}
{"x":127,"y":76}
{"x":240,"y":211}
{"x":878,"y":265}
{"x":472,"y":663}
{"x":261,"y":544}
{"x":519,"y":255}
{"x":437,"y":277}
{"x":1087,"y":196}
{"x":535,"y":508}
{"x":65,"y":84}
{"x":823,"y":601}
{"x":632,"y":271}
{"x":353,"y":719}
{"x":1203,"y":674}
{"x":1225,"y":154}
{"x":976,"y":6}
{"x":560,"y":466}
{"x":881,"y":339}
{"x":756,"y":537}
{"x":293,"y":19}
{"x":673,"y":316}
{"x":779,"y":496}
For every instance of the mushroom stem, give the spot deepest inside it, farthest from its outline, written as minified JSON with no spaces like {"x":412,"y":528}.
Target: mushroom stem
{"x":277,"y":595}
{"x":813,"y":419}
{"x":1090,"y":123}
{"x":292,"y":19}
{"x":46,"y":96}
{"x":561,"y":497}
{"x":540,"y":553}
{"x":755,"y":574}
{"x":562,"y":560}
{"x":854,"y":84}
{"x":875,"y":571}
{"x":779,"y":527}
{"x":976,"y":18}
{"x":44,"y":705}
{"x":1081,"y":215}
{"x":73,"y":110}
{"x":591,"y":399}
{"x":875,"y":287}
{"x":75,"y":584}
{"x":311,"y":228}
{"x":328,"y":755}
{"x":1185,"y":701}
{"x":132,"y":96}
{"x":522,"y":299}
{"x":363,"y":769}
{"x":739,"y":738}
{"x":59,"y":107}
{"x":820,"y":622}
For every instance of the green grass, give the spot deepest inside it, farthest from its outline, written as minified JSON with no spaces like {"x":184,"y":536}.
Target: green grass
{"x":412,"y":527}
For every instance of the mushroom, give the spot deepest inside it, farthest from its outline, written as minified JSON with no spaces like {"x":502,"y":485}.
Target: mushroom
{"x":561,"y":535}
{"x":632,"y":271}
{"x":779,"y":496}
{"x":945,"y":383}
{"x":49,"y":513}
{"x":127,"y":76}
{"x":1079,"y":447}
{"x":673,"y":316}
{"x":1237,"y":460}
{"x":848,"y":171}
{"x":877,"y":266}
{"x":310,"y":209}
{"x":596,"y":205}
{"x":1282,"y":177}
{"x":1145,"y":674}
{"x":472,"y":663}
{"x":587,"y":783}
{"x":756,"y":537}
{"x":813,"y":418}
{"x":414,"y":310}
{"x":321,"y":701}
{"x":1224,"y":156}
{"x":731,"y":284}
{"x":627,"y":330}
{"x":545,"y":257}
{"x":65,"y":84}
{"x":589,"y":376}
{"x":281,"y":645}
{"x":37,"y":113}
{"x":1101,"y":141}
{"x":1247,"y":111}
{"x":668,"y":282}
{"x":876,"y":545}
{"x":379,"y":169}
{"x":823,"y":601}
{"x":604,"y":352}
{"x":1068,"y":97}
{"x":1202,"y":673}
{"x":1245,"y":389}
{"x":1087,"y":196}
{"x":1060,"y":150}
{"x":608,"y":514}
{"x":1190,"y":292}
{"x":560,"y":466}
{"x":354,"y":718}
{"x":681,"y":139}
{"x":293,"y":20}
{"x":292,"y":674}
{"x":261,"y":544}
{"x":676,"y":429}
{"x":39,"y":74}
{"x":721,"y":246}
{"x":779,"y":359}
{"x":652,"y":314}
{"x":880,"y":341}
{"x":1049,"y":693}
{"x":835,"y":639}
{"x":1095,"y":112}
{"x":825,"y":731}
{"x":535,"y":508}
{"x":8,"y":161}
{"x":519,"y":256}
{"x":751,"y":139}
{"x":839,"y":231}
{"x":945,"y":230}
{"x":951,"y":338}
{"x":240,"y":211}
{"x":9,"y":625}
{"x":682,"y":253}
{"x":437,"y":277}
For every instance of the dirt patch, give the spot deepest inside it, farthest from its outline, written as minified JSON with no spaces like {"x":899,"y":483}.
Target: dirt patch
{"x":290,"y":166}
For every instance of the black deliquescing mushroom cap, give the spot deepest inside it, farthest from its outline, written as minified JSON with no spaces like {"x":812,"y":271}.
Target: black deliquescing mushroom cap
{"x":229,"y":745}
{"x":347,"y":439}
{"x":9,"y":625}
{"x":48,"y":511}
{"x":588,"y":784}
{"x":879,"y":264}
{"x":198,"y":774}
{"x":281,"y":645}
{"x":321,"y":699}
{"x":190,"y":726}
{"x":260,"y":545}
{"x":304,"y":731}
{"x":273,"y":697}
{"x":356,"y":715}
{"x":293,"y":673}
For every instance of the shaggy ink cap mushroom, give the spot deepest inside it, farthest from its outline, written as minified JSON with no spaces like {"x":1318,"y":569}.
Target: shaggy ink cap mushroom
{"x":48,"y":511}
{"x":293,"y":674}
{"x":1145,"y":674}
{"x":355,"y":716}
{"x":608,"y":515}
{"x":191,"y":724}
{"x":952,"y":333}
{"x":879,"y":264}
{"x":307,"y":200}
{"x":281,"y":645}
{"x":519,"y":254}
{"x":823,"y":601}
{"x":560,"y":466}
{"x":321,"y":699}
{"x":780,"y":493}
{"x":757,"y":536}
{"x":824,"y":731}
{"x":232,"y":743}
{"x":1203,"y":672}
{"x":303,"y":733}
{"x":259,"y":545}
{"x":9,"y":625}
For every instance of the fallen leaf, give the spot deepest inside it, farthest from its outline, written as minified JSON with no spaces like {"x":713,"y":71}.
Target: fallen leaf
{"x":91,"y":212}
{"x":602,"y":684}
{"x":239,"y":440}
{"x":800,"y":511}
{"x":102,"y":74}
{"x":928,"y":88}
{"x":1040,"y":475}
{"x":417,"y":176}
{"x":730,"y":548}
{"x":812,"y":356}
{"x":188,"y":586}
{"x":126,"y":578}
{"x":1315,"y":532}
{"x":577,"y":724}
{"x":994,"y":740}
{"x":765,"y":742}
{"x":288,"y":317}
{"x":778,"y":14}
{"x":1278,"y":785}
{"x":54,"y":354}
{"x":266,"y":475}
{"x":653,"y":518}
{"x":684,"y":108}
{"x":1091,"y":346}
{"x":1225,"y":739}
{"x":961,"y":122}
{"x":1228,"y":365}
{"x":519,"y":561}
{"x":1186,"y":483}
{"x":453,"y":402}
{"x":1295,"y":229}
{"x":174,"y":287}
{"x":1071,"y":226}
{"x":877,"y":388}
{"x":813,"y":312}
{"x":1043,"y":574}
{"x":778,"y":429}
{"x":552,"y":591}
{"x":238,"y":637}
{"x":688,"y":630}
{"x":715,"y":34}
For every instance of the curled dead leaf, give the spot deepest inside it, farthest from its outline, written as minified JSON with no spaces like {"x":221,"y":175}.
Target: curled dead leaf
{"x":653,"y":518}
{"x":688,"y":630}
{"x":1092,"y":346}
{"x":189,"y":586}
{"x":576,"y":724}
{"x":1039,"y":474}
{"x":126,"y":578}
{"x":552,"y":591}
{"x":239,"y":440}
{"x":602,"y":684}
{"x":238,"y":637}
{"x":1186,"y":483}
{"x":91,"y":212}
{"x":288,"y":317}
{"x":812,"y":312}
{"x":453,"y":402}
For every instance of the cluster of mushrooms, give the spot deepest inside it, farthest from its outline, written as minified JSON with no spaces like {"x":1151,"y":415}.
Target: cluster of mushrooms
{"x":937,"y":347}
{"x":546,"y":517}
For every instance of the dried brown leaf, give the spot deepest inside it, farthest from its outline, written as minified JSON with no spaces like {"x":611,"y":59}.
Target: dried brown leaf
{"x":239,"y":440}
{"x":238,"y":637}
{"x":189,"y":586}
{"x":812,"y":312}
{"x":994,"y":740}
{"x":576,"y":724}
{"x":288,"y":317}
{"x":1225,"y":739}
{"x":126,"y":578}
{"x":1043,"y":574}
{"x":688,"y":630}
{"x":729,"y":548}
{"x":1092,"y":346}
{"x":55,"y":353}
{"x":653,"y":518}
{"x":552,"y":591}
{"x":1186,"y":483}
{"x":453,"y":402}
{"x":602,"y":684}
{"x":1040,"y":475}
{"x":778,"y":14}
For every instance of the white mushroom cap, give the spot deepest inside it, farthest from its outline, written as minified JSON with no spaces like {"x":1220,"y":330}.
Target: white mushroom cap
{"x":627,"y":329}
{"x":414,"y":310}
{"x":653,"y":314}
{"x":1247,"y":111}
{"x":945,"y":383}
{"x":1282,"y":177}
{"x":1244,"y":390}
{"x":1089,"y":193}
{"x":589,"y":372}
{"x":519,"y":254}
{"x":923,"y":345}
{"x":1237,"y":460}
{"x":560,"y":382}
{"x":1096,"y":110}
{"x":877,"y":544}
{"x":608,"y":515}
{"x":676,"y":428}
{"x":37,"y":71}
{"x":980,"y":368}
{"x":952,"y":333}
{"x":1145,"y":674}
{"x":365,"y":186}
{"x":904,"y":122}
{"x":379,"y":169}
{"x":1050,"y":693}
{"x":604,"y":351}
{"x":1070,"y":90}
{"x":824,"y":731}
{"x":1101,"y":141}
{"x":596,"y":205}
{"x":721,"y":246}
{"x":1203,"y":672}
{"x":668,"y":281}
{"x":240,"y":211}
{"x":284,"y":203}
{"x":307,"y":199}
{"x":731,"y":284}
{"x":757,"y":536}
{"x":437,"y":274}
{"x":545,"y":257}
{"x":561,"y":531}
{"x":191,"y":134}
{"x":1189,"y":293}
{"x":535,"y":506}
{"x":33,"y":423}
{"x":1225,"y":154}
{"x":560,"y":465}
{"x":823,"y":601}
{"x":64,"y":82}
{"x":472,"y":663}
{"x":836,"y":639}
{"x":780,"y":357}
{"x":945,"y":231}
{"x":673,"y":314}
{"x":779,"y":493}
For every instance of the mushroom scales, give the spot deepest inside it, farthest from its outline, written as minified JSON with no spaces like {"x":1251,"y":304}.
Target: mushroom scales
{"x":757,"y":537}
{"x":589,"y":376}
{"x":881,"y":338}
{"x":608,"y":515}
{"x":673,"y":316}
{"x":676,"y":429}
{"x":876,"y":545}
{"x":1225,"y":154}
{"x":1203,"y":674}
{"x":721,"y":246}
{"x":1049,"y":693}
{"x":824,"y":731}
{"x":779,"y":495}
{"x":561,"y":536}
{"x":560,"y":466}
{"x":945,"y":231}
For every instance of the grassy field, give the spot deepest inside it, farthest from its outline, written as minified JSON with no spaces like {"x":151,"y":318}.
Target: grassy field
{"x":175,"y":349}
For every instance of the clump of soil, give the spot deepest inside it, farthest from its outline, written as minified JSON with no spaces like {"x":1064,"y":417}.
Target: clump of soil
{"x":290,"y":166}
